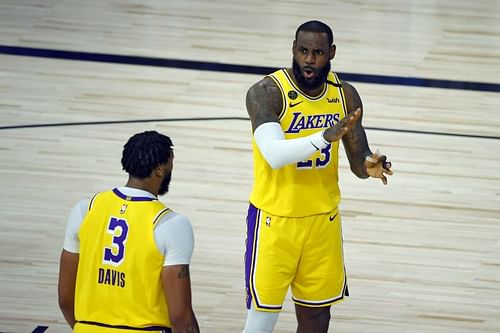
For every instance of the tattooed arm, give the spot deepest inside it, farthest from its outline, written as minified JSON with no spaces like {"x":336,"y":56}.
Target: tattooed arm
{"x":177,"y":287}
{"x":363,"y":162}
{"x":264,"y":102}
{"x":175,"y":239}
{"x":355,"y":142}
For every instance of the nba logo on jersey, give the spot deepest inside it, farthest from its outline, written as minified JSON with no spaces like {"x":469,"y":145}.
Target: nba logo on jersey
{"x":268,"y":221}
{"x":123,"y":209}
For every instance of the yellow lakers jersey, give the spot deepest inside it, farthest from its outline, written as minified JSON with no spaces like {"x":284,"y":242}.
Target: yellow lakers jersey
{"x":119,"y":271}
{"x":308,"y":187}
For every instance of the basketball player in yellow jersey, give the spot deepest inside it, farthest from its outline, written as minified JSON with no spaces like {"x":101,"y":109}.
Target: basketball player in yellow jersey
{"x":294,"y":238}
{"x":125,"y":261}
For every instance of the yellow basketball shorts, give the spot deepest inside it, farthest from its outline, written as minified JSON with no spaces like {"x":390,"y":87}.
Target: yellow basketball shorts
{"x":304,"y":253}
{"x":93,"y":327}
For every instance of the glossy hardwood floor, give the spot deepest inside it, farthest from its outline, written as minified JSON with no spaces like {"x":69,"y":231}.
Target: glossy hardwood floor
{"x":422,"y":254}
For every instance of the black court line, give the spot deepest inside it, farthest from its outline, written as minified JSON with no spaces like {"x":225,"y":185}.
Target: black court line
{"x":243,"y":69}
{"x":105,"y":122}
{"x":38,"y":329}
{"x":154,"y":120}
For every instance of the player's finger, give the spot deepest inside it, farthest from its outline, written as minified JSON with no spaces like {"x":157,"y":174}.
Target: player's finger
{"x":347,"y":121}
{"x":351,"y":118}
{"x":384,"y":179}
{"x":387,"y":171}
{"x":376,"y":158}
{"x":357,"y":113}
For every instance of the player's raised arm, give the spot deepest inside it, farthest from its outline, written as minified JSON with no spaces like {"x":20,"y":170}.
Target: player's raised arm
{"x":363,"y":162}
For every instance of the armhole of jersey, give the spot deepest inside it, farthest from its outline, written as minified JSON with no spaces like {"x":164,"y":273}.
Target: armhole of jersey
{"x":341,"y":92}
{"x":283,"y":109}
{"x":160,"y":215}
{"x":91,"y":202}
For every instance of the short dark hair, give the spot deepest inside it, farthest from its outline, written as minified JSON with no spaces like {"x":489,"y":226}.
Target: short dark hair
{"x":316,"y":26}
{"x":145,"y":151}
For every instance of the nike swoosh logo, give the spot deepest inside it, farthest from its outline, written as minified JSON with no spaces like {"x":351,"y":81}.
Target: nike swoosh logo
{"x":292,"y":104}
{"x":333,"y":217}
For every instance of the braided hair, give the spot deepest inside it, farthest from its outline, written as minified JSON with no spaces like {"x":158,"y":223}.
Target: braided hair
{"x":145,"y":151}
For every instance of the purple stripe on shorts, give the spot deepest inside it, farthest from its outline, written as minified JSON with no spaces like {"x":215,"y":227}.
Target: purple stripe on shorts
{"x":252,"y":216}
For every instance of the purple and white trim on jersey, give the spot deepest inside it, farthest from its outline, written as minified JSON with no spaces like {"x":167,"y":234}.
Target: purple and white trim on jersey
{"x":129,"y":198}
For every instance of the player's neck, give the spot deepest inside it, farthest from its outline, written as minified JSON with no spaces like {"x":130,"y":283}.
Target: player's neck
{"x":143,"y":184}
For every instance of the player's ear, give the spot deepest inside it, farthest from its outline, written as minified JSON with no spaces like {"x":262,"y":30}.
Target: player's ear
{"x":333,"y":49}
{"x":159,"y":171}
{"x":294,"y":46}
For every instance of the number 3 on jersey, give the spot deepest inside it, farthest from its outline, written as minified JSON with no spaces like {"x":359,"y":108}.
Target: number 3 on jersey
{"x":321,"y":161}
{"x":114,"y":254}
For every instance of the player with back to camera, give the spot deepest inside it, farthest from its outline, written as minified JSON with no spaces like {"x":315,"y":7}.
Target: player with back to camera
{"x":125,"y":262}
{"x":294,"y":238}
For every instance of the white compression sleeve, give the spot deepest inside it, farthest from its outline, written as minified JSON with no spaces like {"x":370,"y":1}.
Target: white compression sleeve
{"x":279,"y":151}
{"x":260,"y":321}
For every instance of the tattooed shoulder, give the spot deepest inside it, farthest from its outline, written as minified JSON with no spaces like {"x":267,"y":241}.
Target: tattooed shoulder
{"x":264,"y":97}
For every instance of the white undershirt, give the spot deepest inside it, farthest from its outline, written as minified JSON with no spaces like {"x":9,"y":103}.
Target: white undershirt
{"x":173,"y":233}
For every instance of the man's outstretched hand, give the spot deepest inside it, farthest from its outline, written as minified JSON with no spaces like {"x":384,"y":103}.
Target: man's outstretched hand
{"x":377,"y":166}
{"x":336,"y":132}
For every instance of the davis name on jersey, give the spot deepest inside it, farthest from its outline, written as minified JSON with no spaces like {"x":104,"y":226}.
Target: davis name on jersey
{"x":111,"y":277}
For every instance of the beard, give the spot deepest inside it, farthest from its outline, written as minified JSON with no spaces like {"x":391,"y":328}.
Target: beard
{"x":316,"y":82}
{"x":165,"y":183}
